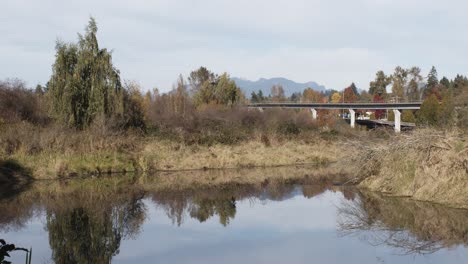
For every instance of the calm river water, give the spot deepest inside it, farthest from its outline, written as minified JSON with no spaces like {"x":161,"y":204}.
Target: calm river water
{"x":66,"y":222}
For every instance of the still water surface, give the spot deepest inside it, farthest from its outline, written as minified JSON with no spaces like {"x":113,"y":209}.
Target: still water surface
{"x":264,"y":223}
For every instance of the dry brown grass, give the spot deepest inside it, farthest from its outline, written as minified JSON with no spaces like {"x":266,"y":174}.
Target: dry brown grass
{"x":56,"y":151}
{"x":426,"y":164}
{"x":170,"y":155}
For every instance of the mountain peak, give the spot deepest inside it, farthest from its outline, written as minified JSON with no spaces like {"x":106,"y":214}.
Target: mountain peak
{"x":265,"y":85}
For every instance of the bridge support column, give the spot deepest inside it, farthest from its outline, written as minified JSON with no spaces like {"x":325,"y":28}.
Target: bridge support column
{"x":314,"y":113}
{"x":397,"y":120}
{"x":353,"y":117}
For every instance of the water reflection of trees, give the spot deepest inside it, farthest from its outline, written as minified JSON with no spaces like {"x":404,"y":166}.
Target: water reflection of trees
{"x":87,"y":219}
{"x":409,"y":226}
{"x":204,"y":203}
{"x":92,"y":233}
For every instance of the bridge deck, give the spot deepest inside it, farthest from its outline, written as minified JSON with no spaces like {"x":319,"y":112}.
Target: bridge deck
{"x":401,"y":106}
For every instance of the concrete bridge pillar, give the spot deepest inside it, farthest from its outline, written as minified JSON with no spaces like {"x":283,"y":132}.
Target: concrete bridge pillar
{"x":353,"y":117}
{"x":397,"y":120}
{"x":314,"y":113}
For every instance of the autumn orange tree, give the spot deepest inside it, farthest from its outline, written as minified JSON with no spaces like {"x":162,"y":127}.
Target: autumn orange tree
{"x":349,"y":95}
{"x":310,"y":95}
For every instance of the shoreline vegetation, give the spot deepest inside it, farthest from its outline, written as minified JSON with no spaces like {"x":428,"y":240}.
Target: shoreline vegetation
{"x":86,"y":121}
{"x":425,"y":164}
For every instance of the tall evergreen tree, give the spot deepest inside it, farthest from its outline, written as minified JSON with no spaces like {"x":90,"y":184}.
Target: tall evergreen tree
{"x":459,"y":83}
{"x":354,"y":88}
{"x":260,"y":95}
{"x":253,"y":97}
{"x":445,"y":82}
{"x":432,"y":82}
{"x":379,"y":85}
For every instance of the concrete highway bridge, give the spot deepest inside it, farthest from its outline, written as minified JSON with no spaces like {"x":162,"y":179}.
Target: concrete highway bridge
{"x":351,"y":107}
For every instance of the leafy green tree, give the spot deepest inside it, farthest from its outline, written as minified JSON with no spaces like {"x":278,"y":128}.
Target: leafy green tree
{"x":205,"y":94}
{"x":429,"y":112}
{"x":408,"y":116}
{"x":84,"y":82}
{"x":399,"y":80}
{"x":227,"y":92}
{"x":446,"y":110}
{"x":379,"y":85}
{"x":199,"y":77}
{"x":134,"y":115}
{"x":412,"y":92}
{"x":222,"y":90}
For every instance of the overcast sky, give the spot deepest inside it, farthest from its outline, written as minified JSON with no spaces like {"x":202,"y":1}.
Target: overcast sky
{"x":331,"y":42}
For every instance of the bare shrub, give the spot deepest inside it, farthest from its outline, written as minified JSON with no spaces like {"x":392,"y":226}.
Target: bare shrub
{"x":213,"y":123}
{"x":27,"y":139}
{"x":17,"y":103}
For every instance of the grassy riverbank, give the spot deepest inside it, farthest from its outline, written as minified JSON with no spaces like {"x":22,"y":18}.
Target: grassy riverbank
{"x":426,"y":165}
{"x":50,"y":153}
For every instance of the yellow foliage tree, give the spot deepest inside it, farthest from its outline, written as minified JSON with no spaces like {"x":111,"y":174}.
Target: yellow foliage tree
{"x":336,"y":97}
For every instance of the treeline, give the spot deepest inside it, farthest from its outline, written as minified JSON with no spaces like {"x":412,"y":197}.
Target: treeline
{"x":444,"y":100}
{"x":87,"y":100}
{"x":85,"y":89}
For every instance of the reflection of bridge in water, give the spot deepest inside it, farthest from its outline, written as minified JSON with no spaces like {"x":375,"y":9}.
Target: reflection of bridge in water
{"x":381,"y":123}
{"x":352,"y":107}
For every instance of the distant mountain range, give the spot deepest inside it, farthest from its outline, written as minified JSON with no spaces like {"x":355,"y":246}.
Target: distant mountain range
{"x":265,"y":85}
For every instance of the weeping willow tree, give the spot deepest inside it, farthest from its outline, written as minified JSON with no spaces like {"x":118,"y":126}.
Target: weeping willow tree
{"x":84,"y":82}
